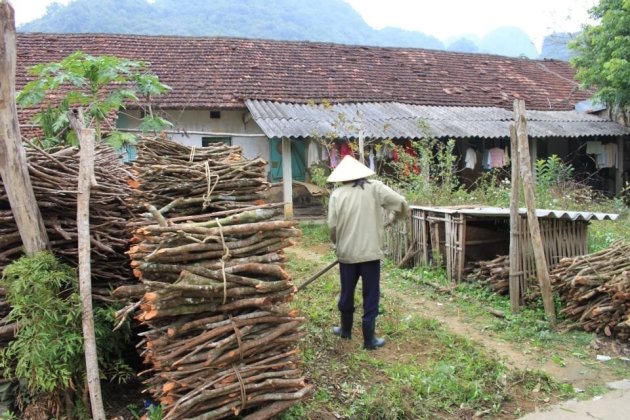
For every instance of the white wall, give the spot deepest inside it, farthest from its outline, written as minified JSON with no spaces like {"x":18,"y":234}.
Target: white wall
{"x":190,"y":126}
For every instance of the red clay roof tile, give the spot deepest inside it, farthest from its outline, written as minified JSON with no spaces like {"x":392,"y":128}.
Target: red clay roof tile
{"x":223,"y":72}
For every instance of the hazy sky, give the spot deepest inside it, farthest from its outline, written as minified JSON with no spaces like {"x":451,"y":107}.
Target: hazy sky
{"x":440,"y":18}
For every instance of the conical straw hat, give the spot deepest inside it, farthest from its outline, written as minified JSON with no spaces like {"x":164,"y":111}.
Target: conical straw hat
{"x":349,"y":169}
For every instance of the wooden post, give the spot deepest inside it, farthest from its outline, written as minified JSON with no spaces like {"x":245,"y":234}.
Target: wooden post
{"x":13,"y":166}
{"x":515,"y":252}
{"x":86,"y":181}
{"x":287,"y":179}
{"x":361,"y":146}
{"x":534,"y":228}
{"x":619,"y":165}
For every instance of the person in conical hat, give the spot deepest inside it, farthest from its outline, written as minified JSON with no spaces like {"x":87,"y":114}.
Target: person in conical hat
{"x":356,"y":222}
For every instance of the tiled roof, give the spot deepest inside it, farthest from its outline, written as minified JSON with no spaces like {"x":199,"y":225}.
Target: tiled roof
{"x":223,"y":72}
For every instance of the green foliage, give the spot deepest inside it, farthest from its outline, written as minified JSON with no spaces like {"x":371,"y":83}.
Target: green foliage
{"x":48,"y":348}
{"x":47,"y":351}
{"x":430,"y":177}
{"x":553,"y":181}
{"x":603,"y":52}
{"x":100,"y":85}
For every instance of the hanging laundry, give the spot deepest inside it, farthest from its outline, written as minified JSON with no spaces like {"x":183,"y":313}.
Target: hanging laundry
{"x":496,"y":157}
{"x":485,"y":159}
{"x":312,"y":154}
{"x":334,"y":156}
{"x":594,"y":148}
{"x":608,"y":157}
{"x":372,"y":159}
{"x":470,"y":158}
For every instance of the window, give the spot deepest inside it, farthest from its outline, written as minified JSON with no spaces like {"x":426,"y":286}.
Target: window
{"x":208,"y":141}
{"x":215,"y":115}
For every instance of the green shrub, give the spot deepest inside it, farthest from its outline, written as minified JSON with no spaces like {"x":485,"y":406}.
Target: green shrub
{"x":47,"y":352}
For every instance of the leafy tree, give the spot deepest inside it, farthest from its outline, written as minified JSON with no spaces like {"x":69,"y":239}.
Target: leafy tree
{"x":603,"y":53}
{"x":101,"y":85}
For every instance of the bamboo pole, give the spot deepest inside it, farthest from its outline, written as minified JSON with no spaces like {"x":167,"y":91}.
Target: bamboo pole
{"x":515,"y":258}
{"x":13,"y":166}
{"x":86,"y":181}
{"x":534,"y":228}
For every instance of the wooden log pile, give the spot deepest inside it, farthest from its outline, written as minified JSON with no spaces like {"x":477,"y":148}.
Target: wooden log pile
{"x":596,"y":290}
{"x":495,"y":274}
{"x":219,"y":341}
{"x":54,"y":176}
{"x":181,"y":180}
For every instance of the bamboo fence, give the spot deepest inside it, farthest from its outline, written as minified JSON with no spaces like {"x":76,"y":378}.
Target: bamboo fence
{"x":440,"y":236}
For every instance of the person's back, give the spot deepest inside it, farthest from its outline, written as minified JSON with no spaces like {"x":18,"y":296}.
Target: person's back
{"x":355,"y":212}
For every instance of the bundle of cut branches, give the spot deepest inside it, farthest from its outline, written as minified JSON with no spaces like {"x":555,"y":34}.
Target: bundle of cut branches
{"x":596,"y":290}
{"x":495,"y":274}
{"x":54,"y":176}
{"x":219,"y":341}
{"x":181,"y":180}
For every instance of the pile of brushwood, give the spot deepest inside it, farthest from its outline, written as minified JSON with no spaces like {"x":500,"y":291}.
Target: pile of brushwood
{"x":218,"y":341}
{"x":54,"y":176}
{"x":596,"y":290}
{"x":180,"y":180}
{"x":495,"y":274}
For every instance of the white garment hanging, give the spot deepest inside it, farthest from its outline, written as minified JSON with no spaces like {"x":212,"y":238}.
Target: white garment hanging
{"x":312,"y":154}
{"x":471,"y":158}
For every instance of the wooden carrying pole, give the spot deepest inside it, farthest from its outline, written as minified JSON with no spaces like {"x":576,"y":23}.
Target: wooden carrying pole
{"x":516,"y":270}
{"x":13,"y":166}
{"x":86,"y":181}
{"x":534,"y":229}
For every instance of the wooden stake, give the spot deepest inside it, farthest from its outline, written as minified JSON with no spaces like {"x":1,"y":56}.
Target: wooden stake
{"x":534,"y":229}
{"x":13,"y":166}
{"x":515,"y":249}
{"x":86,"y":181}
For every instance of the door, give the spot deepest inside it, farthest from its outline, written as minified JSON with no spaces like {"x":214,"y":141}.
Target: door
{"x":298,"y":160}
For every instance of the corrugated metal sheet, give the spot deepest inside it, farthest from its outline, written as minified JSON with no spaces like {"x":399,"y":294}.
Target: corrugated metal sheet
{"x":505,"y":212}
{"x":393,"y":120}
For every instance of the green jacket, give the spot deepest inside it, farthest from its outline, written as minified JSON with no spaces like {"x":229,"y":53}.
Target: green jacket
{"x":356,"y":221}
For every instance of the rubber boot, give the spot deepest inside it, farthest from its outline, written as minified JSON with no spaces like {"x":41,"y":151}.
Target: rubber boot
{"x":345,"y":331}
{"x":369,"y":341}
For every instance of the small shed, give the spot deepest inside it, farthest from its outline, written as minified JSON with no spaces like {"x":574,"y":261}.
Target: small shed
{"x":455,"y":236}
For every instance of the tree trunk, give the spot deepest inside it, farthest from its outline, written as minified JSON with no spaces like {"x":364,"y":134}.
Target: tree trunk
{"x":86,"y":181}
{"x":13,"y":166}
{"x":534,"y":229}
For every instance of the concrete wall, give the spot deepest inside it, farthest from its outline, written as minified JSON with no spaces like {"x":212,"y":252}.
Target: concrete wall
{"x":190,"y":126}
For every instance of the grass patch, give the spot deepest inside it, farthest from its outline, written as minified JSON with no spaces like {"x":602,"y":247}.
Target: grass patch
{"x":424,"y":370}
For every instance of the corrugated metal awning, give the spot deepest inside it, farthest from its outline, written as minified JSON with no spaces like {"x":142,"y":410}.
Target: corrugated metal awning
{"x":505,"y":212}
{"x":393,"y":120}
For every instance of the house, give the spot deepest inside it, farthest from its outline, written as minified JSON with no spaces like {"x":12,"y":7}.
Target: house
{"x":272,"y":97}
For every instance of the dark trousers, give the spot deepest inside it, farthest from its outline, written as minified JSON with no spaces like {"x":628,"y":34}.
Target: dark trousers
{"x":370,"y":273}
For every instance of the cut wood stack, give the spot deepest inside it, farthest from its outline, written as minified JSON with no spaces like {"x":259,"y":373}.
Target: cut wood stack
{"x":54,"y":179}
{"x":219,"y":342}
{"x":181,"y":180}
{"x":495,"y":274}
{"x":596,"y":290}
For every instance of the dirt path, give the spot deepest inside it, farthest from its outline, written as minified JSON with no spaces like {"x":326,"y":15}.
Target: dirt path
{"x":522,"y":356}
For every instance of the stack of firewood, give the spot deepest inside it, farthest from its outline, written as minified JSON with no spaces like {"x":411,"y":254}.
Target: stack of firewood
{"x":219,"y":342}
{"x":495,"y":274}
{"x":54,"y":176}
{"x":596,"y":290}
{"x":181,"y":180}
